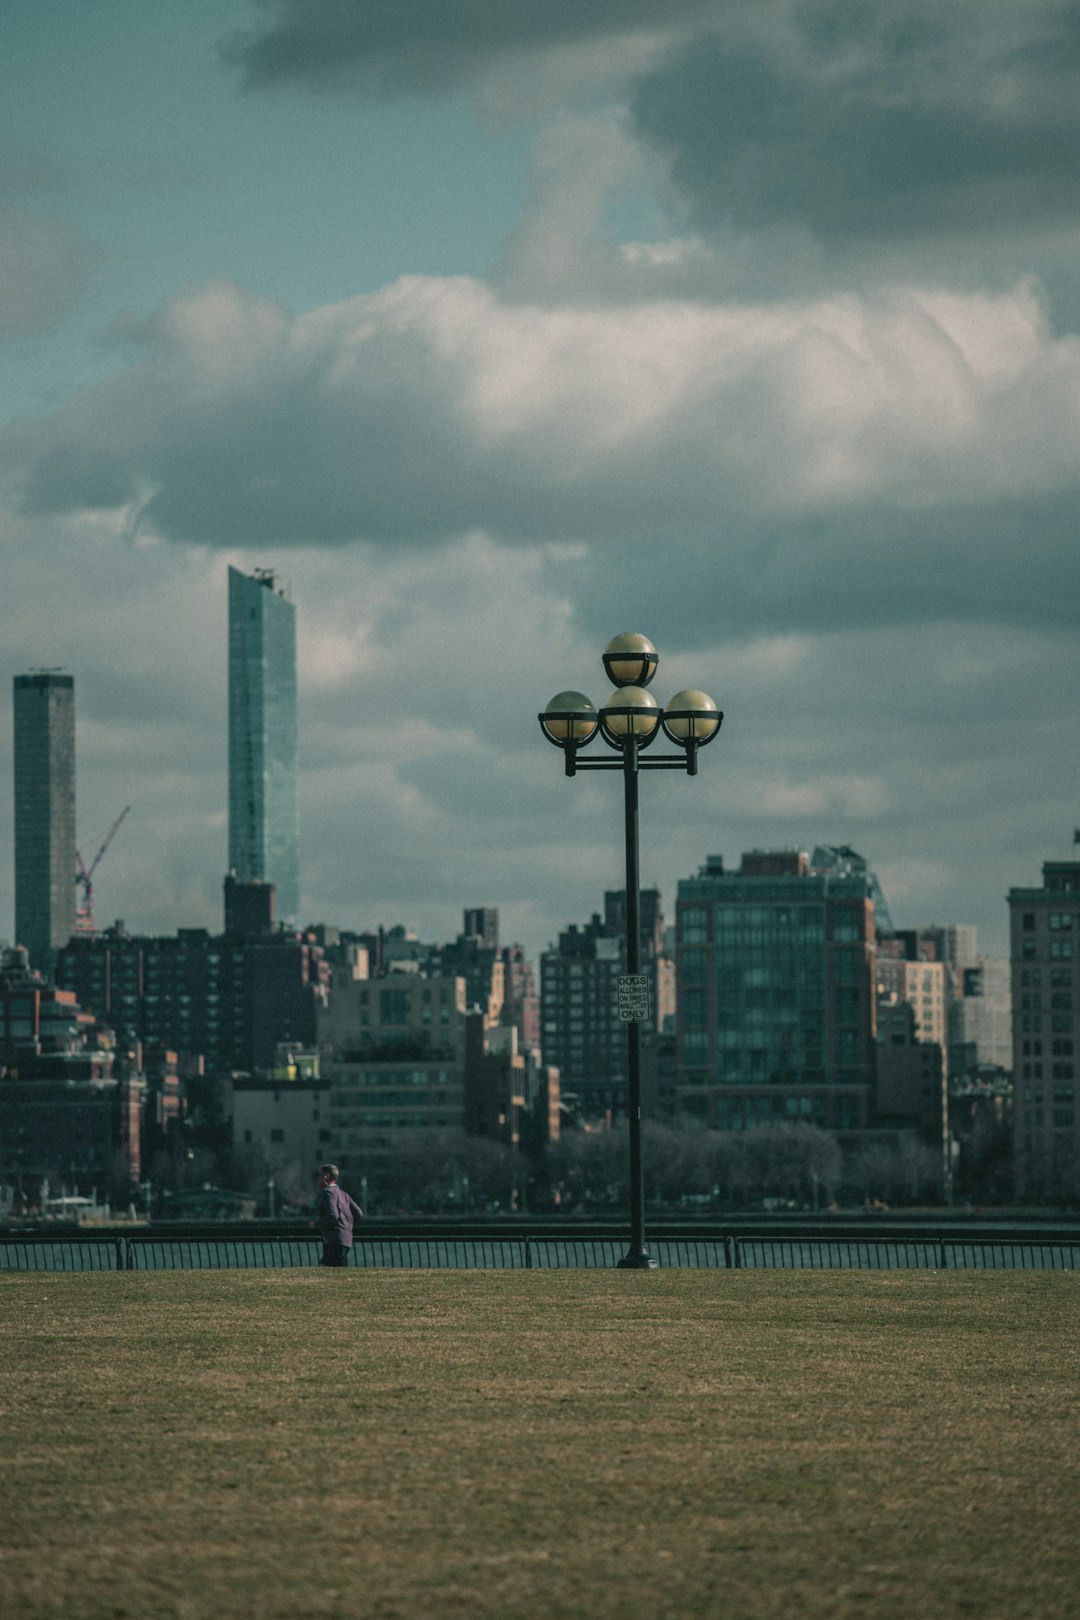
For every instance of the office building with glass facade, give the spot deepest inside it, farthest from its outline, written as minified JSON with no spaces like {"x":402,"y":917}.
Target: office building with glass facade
{"x":264,"y":824}
{"x":775,"y":980}
{"x":44,"y":731}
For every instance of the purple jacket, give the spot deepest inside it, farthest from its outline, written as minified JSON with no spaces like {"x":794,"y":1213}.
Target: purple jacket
{"x":335,"y":1212}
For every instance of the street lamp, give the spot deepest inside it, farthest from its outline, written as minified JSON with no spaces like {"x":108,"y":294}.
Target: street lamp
{"x":629,"y":723}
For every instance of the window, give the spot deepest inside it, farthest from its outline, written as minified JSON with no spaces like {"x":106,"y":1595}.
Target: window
{"x":845,"y":924}
{"x":694,"y":1011}
{"x":394,"y":1006}
{"x":846,"y":965}
{"x":1061,"y":948}
{"x":847,"y":1046}
{"x":692,"y":967}
{"x":1027,"y":921}
{"x":277,"y":1136}
{"x":1060,"y":920}
{"x":846,"y":1004}
{"x":694,"y":926}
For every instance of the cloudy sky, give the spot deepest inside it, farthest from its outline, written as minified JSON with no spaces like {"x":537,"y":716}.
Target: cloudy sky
{"x":497,"y":329}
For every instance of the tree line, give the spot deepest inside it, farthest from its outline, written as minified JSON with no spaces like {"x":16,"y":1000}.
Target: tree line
{"x":686,"y":1168}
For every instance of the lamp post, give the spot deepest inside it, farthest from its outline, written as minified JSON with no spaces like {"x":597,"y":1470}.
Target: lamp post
{"x":629,"y":722}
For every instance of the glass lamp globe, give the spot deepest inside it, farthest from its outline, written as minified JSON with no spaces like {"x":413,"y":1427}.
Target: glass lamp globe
{"x":630,"y":660}
{"x":692,"y":716}
{"x":630,"y":712}
{"x":569,"y":718}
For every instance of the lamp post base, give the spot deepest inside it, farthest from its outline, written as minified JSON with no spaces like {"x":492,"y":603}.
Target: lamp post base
{"x":637,"y":1260}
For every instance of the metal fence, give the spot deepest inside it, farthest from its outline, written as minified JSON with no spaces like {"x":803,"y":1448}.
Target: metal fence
{"x":189,"y":1249}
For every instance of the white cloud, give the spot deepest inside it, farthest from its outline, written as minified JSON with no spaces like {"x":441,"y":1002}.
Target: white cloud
{"x":434,"y":408}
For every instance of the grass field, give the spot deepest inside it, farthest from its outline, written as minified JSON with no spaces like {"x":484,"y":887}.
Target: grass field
{"x":559,"y":1444}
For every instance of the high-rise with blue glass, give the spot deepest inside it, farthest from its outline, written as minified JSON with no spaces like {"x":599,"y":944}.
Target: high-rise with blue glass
{"x":264,"y":823}
{"x":776,"y":1014}
{"x":44,"y":713}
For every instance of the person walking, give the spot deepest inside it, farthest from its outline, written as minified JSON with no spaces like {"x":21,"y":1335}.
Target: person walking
{"x":335,"y":1212}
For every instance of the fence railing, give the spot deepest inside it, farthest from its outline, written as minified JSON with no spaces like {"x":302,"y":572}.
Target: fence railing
{"x":437,"y":1246}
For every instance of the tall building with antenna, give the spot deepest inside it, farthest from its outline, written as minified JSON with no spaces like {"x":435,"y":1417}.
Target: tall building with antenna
{"x":44,"y":733}
{"x":264,"y":825}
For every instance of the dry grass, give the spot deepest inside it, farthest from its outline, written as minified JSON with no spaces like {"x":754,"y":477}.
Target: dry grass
{"x":568,"y":1444}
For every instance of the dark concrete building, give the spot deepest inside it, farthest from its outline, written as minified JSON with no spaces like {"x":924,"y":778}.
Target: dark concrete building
{"x":911,"y":1083}
{"x":1045,"y":956}
{"x":44,"y":732}
{"x":232,"y":1000}
{"x":581,"y":1034}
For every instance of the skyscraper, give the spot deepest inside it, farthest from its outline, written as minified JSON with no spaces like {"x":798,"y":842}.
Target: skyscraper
{"x":44,"y":710}
{"x":264,"y":828}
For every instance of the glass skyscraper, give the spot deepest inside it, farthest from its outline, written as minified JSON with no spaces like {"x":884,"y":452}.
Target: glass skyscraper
{"x":264,"y":823}
{"x":776,"y":992}
{"x":44,"y":714}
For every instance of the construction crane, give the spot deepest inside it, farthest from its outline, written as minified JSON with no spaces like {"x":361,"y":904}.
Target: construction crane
{"x":84,"y":910}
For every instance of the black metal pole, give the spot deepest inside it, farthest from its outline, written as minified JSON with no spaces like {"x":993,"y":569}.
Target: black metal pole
{"x":637,"y":1256}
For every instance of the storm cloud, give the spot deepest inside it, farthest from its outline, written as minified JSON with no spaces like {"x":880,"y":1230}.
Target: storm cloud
{"x":401,"y":45}
{"x":862,"y":120}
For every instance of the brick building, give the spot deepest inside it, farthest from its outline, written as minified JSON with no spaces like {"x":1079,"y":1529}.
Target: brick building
{"x":230,"y":999}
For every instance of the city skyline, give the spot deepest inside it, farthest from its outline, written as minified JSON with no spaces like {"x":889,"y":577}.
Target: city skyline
{"x":754,"y":333}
